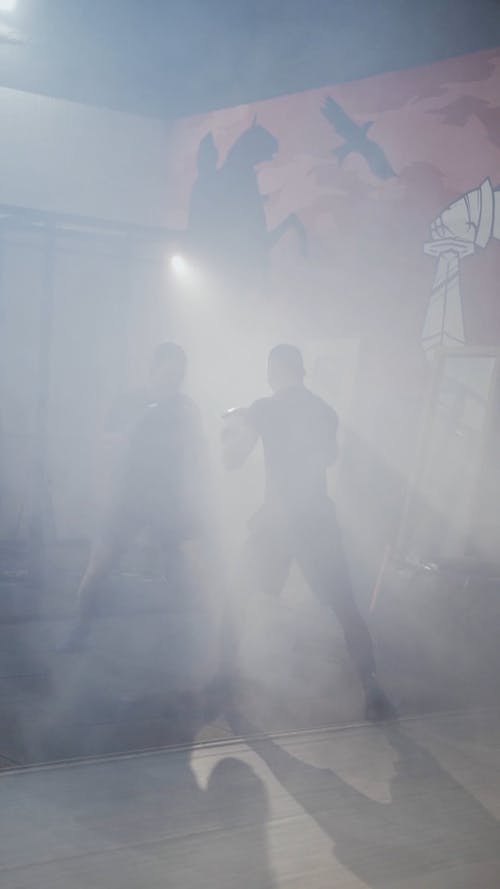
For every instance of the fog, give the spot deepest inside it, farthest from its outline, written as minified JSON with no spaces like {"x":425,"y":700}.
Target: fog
{"x":159,"y":636}
{"x":84,"y":304}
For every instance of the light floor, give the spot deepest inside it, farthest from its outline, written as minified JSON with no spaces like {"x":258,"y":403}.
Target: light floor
{"x":413,"y":804}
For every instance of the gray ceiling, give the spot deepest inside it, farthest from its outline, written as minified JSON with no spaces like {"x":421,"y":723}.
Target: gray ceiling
{"x":166,"y":58}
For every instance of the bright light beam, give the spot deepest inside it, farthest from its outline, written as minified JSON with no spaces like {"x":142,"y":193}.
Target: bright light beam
{"x":179,"y":265}
{"x":7,"y":5}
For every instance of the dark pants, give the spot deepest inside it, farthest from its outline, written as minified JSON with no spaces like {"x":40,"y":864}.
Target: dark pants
{"x":313,"y":539}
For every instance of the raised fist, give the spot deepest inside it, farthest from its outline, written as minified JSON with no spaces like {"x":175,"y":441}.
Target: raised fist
{"x":470,"y":218}
{"x":235,"y":424}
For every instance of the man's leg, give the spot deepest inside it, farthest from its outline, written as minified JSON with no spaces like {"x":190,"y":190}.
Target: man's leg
{"x":105,"y":555}
{"x":267,"y":559}
{"x":321,"y":557}
{"x":265,"y":565}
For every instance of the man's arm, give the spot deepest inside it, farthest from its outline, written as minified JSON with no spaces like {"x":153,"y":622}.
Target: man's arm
{"x":239,"y":437}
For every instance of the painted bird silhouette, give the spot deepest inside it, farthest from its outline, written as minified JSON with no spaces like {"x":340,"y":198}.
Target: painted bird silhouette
{"x":356,"y":140}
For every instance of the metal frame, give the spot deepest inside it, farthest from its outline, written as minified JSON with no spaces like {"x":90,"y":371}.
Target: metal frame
{"x":49,"y":225}
{"x":426,"y":423}
{"x":29,"y":217}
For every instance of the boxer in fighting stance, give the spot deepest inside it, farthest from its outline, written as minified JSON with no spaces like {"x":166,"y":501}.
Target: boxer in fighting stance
{"x":297,"y":521}
{"x":162,"y":486}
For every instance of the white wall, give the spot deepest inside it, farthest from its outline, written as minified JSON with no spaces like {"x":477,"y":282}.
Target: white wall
{"x":61,"y":156}
{"x":109,"y":293}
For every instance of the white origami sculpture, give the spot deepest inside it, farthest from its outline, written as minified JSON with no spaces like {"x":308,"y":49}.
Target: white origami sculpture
{"x":467,"y":223}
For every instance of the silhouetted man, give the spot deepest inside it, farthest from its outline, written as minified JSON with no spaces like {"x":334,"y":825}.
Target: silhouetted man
{"x":297,"y":521}
{"x":162,"y":483}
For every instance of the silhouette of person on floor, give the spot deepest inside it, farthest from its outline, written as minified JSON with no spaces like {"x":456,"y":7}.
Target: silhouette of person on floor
{"x":163,"y":485}
{"x":212,"y":835}
{"x":237,"y":800}
{"x":298,"y":431}
{"x":431,"y":824}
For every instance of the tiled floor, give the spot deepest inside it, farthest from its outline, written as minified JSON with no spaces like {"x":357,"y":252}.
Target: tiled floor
{"x":413,"y":805}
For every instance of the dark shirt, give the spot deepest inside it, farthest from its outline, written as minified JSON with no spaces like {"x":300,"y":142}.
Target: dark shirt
{"x":166,"y":467}
{"x":126,"y":411}
{"x":298,"y":431}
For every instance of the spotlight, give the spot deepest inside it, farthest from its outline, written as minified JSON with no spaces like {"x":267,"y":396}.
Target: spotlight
{"x":179,"y":265}
{"x":7,"y":5}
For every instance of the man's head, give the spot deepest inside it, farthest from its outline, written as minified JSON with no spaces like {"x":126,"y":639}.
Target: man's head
{"x":168,"y":368}
{"x":285,"y":367}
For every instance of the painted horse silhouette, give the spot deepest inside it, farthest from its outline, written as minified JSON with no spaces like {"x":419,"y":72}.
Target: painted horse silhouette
{"x":227,"y":222}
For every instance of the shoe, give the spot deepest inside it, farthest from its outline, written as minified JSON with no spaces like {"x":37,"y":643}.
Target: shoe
{"x":379,"y":707}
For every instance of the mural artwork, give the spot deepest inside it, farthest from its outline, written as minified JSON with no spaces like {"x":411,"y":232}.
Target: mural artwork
{"x":363,"y":213}
{"x":356,"y":205}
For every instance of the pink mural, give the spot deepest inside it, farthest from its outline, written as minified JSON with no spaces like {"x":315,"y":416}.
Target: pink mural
{"x":327,"y":197}
{"x":366,"y":212}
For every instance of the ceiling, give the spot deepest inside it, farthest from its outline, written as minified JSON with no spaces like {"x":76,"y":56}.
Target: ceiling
{"x":168,"y":58}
